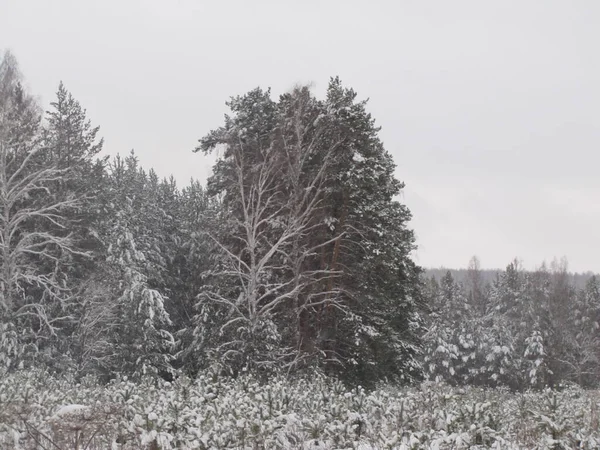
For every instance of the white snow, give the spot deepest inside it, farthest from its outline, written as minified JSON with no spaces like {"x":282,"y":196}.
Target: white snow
{"x":71,"y":409}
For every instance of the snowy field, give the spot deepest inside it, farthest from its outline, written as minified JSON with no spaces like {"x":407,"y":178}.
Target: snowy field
{"x":38,"y":411}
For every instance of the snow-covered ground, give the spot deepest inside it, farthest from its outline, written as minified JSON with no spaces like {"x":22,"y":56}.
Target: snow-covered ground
{"x":210,"y":413}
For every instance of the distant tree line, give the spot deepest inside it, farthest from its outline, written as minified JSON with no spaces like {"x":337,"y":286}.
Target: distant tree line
{"x":488,"y":276}
{"x":296,"y":255}
{"x":521,"y":329}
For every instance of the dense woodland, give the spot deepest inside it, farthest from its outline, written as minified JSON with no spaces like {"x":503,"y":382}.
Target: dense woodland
{"x":295,"y":256}
{"x":518,"y":329}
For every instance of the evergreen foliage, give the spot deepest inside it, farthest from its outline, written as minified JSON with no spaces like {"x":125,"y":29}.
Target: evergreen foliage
{"x":315,"y":248}
{"x":537,"y":331}
{"x":295,"y":256}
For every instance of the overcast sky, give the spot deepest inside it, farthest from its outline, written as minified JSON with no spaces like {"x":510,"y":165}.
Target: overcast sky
{"x":491,"y":109}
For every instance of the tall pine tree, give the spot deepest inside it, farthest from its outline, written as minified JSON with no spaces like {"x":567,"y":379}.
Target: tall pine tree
{"x":315,"y":236}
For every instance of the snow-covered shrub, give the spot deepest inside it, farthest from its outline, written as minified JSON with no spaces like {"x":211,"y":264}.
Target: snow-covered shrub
{"x":209,"y":412}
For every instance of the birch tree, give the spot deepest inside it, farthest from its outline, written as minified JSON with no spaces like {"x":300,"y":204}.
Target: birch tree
{"x":314,"y":262}
{"x":33,"y":297}
{"x":271,"y":206}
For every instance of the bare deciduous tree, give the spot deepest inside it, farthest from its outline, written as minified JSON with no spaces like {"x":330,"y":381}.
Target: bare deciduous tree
{"x":29,"y":264}
{"x":277,"y":200}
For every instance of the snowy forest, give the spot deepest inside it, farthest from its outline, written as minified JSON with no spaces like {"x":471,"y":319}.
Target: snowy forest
{"x":277,"y":305}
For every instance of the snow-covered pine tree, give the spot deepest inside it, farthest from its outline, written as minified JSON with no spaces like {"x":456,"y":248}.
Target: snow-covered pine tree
{"x":250,"y":311}
{"x":72,"y":145}
{"x":313,"y":227}
{"x":380,"y":285}
{"x":519,"y":322}
{"x":451,"y":342}
{"x":127,"y":325}
{"x":582,"y":358}
{"x":193,"y":259}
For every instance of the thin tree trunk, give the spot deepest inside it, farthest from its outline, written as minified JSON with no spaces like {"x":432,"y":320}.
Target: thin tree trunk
{"x":330,"y":318}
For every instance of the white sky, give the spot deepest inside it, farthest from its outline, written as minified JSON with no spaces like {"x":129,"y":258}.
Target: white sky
{"x":490,"y":108}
